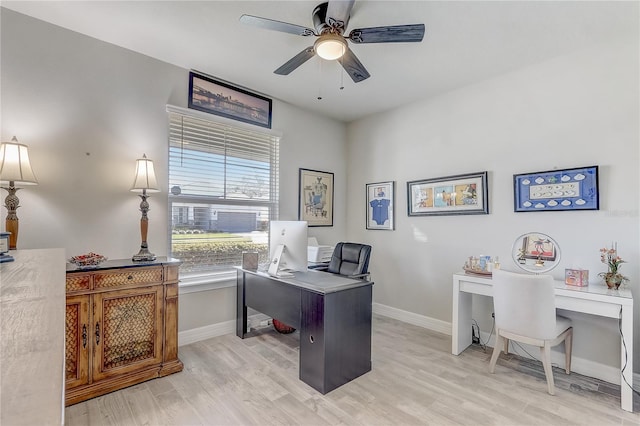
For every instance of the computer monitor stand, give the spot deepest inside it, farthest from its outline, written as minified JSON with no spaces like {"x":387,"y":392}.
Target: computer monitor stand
{"x":274,"y":266}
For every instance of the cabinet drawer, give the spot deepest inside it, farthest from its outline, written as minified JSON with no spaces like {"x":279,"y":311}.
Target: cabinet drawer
{"x":76,"y":282}
{"x":127,"y":277}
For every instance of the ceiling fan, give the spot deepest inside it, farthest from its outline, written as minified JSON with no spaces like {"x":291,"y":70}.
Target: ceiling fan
{"x":330,"y":21}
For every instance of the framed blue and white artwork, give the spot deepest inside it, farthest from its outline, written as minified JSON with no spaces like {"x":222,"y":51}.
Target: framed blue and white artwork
{"x":380,"y":205}
{"x":555,"y":190}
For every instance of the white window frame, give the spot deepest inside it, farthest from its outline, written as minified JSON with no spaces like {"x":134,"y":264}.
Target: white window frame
{"x":223,"y":279}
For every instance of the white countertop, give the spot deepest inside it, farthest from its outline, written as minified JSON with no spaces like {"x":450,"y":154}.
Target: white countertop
{"x":593,"y":291}
{"x":32,"y":337}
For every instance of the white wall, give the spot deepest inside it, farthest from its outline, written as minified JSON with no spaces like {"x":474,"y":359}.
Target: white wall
{"x":577,"y":110}
{"x":87,"y":110}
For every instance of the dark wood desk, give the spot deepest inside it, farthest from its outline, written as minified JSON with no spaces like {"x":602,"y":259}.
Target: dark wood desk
{"x":333,"y":314}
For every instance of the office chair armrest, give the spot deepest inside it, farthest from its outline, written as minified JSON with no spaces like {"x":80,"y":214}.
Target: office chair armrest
{"x":361,"y":276}
{"x":318,"y":266}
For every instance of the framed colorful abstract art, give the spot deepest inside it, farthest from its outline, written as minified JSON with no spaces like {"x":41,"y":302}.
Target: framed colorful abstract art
{"x":449,"y":195}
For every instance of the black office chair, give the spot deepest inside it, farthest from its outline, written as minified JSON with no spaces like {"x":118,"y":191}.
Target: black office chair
{"x":350,"y":259}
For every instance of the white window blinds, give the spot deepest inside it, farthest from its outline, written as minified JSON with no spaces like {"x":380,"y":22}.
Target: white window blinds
{"x":223,"y":183}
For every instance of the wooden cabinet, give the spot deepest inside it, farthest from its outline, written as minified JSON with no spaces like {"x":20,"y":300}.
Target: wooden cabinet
{"x":121,"y":326}
{"x":77,"y":341}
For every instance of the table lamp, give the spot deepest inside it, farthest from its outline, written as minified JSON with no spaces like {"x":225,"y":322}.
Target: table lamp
{"x":144,"y":181}
{"x":15,"y":169}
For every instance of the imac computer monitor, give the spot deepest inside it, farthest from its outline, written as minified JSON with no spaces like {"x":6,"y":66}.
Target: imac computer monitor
{"x":287,"y":246}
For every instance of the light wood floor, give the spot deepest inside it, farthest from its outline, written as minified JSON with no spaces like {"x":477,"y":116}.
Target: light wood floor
{"x":415,"y":381}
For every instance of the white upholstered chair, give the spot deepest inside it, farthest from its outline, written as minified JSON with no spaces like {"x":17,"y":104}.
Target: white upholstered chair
{"x":525,"y":311}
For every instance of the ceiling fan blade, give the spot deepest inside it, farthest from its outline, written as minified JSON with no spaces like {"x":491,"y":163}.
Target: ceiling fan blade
{"x":390,"y":34}
{"x":296,"y":61}
{"x":270,"y":24}
{"x":353,"y":66}
{"x":338,"y":12}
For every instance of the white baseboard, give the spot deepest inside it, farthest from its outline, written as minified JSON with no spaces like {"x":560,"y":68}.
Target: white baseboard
{"x":579,"y":365}
{"x":411,"y":318}
{"x":582,"y":366}
{"x":194,"y":335}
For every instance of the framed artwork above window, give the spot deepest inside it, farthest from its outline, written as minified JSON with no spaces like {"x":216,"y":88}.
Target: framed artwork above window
{"x":216,"y":97}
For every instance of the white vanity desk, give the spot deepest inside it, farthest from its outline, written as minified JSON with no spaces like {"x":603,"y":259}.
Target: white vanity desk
{"x":594,"y":299}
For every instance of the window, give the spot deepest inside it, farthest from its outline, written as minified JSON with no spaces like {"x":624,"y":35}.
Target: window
{"x":223,"y":190}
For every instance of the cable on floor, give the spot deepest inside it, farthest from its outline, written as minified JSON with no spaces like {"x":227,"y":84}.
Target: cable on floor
{"x":477,"y":328}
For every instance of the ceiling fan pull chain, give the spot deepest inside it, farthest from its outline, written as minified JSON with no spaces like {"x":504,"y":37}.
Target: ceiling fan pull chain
{"x":342,"y":69}
{"x":320,"y":80}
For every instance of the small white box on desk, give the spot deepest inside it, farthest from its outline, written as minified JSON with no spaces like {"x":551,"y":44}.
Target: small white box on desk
{"x":317,"y":253}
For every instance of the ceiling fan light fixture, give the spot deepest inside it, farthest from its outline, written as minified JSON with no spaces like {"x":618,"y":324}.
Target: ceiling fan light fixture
{"x":330,"y":46}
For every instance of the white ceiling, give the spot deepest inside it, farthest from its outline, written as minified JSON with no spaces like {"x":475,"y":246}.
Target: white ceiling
{"x":465,"y":42}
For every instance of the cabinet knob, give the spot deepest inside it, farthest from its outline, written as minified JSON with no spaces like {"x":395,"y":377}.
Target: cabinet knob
{"x":97,"y":333}
{"x":130,"y":277}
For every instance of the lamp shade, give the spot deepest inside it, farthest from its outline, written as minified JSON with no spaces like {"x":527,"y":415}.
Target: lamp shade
{"x":145,"y":178}
{"x":330,"y":46}
{"x":14,"y":164}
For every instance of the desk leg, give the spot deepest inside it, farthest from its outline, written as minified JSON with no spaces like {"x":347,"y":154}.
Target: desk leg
{"x":626,"y":394}
{"x":241,"y":307}
{"x":461,"y":319}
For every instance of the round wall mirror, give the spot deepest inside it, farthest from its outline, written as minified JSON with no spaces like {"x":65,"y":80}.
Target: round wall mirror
{"x":536,"y":252}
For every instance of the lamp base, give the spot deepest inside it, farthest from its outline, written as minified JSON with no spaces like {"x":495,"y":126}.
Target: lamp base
{"x":12,"y":203}
{"x":143,"y":255}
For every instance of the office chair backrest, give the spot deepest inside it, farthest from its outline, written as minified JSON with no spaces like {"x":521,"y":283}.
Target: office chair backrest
{"x":350,"y":259}
{"x":525,"y":304}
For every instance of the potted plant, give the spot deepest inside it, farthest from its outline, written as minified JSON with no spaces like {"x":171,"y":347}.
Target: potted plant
{"x":610,"y":257}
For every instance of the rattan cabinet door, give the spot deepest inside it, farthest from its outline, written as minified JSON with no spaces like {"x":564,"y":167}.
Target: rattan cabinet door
{"x":77,"y":341}
{"x":127,"y":331}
